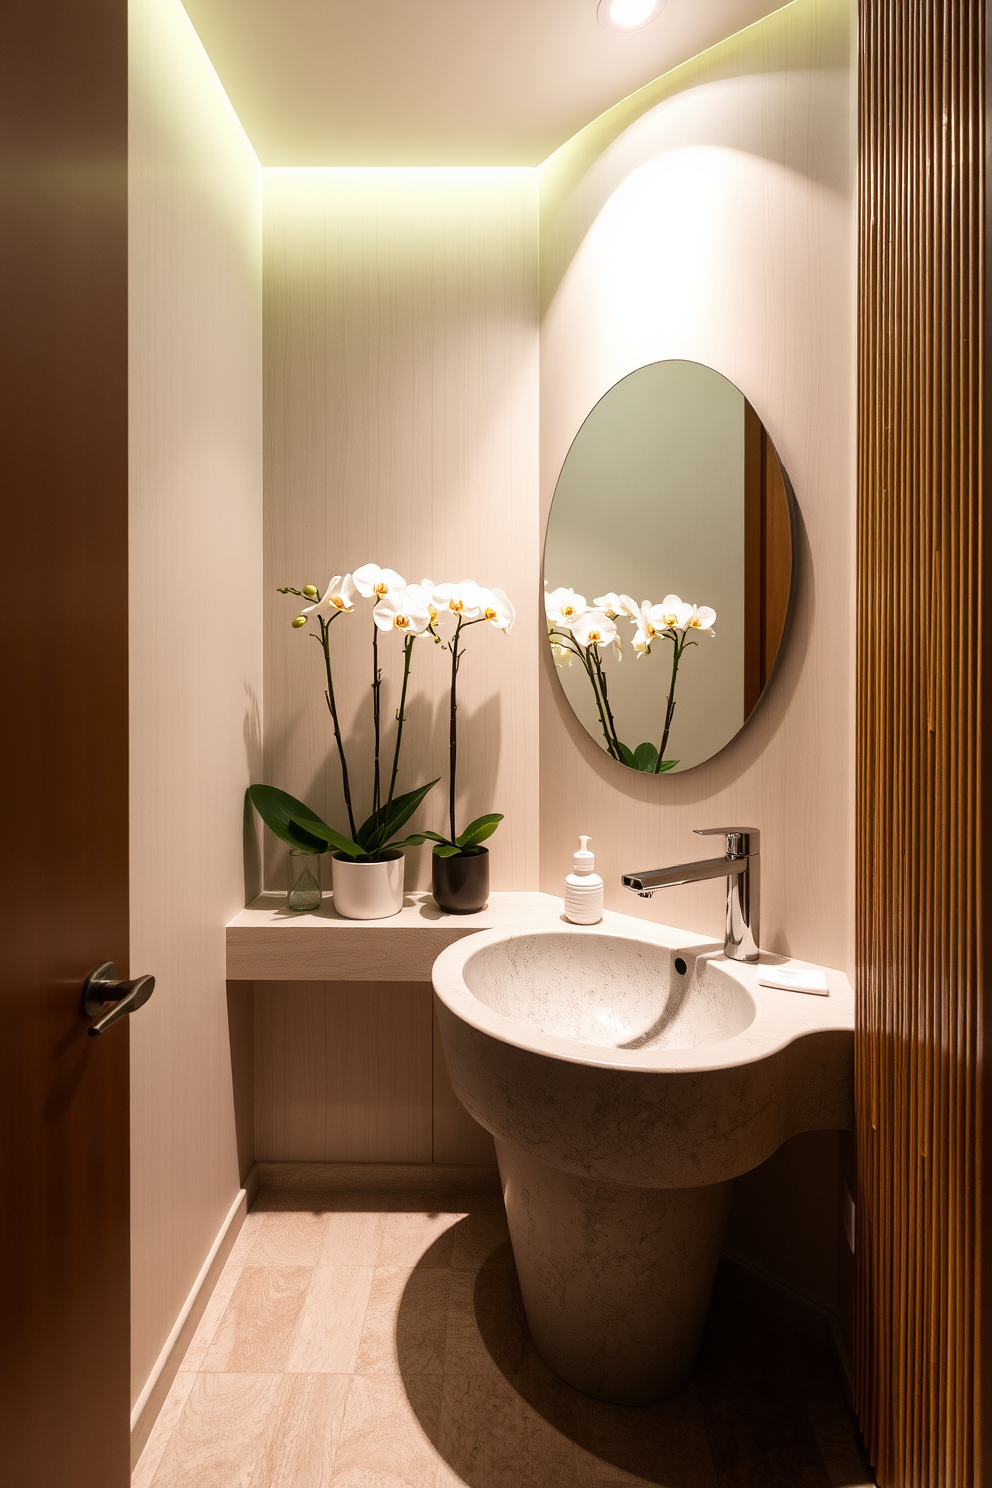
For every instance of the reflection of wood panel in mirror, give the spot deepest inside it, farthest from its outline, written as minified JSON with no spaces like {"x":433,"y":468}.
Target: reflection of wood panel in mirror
{"x":767,"y":557}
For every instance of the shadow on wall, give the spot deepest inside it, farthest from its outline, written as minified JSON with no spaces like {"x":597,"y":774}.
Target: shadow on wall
{"x":763,"y":1410}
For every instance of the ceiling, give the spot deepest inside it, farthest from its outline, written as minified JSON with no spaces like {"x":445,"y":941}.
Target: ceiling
{"x":438,"y":82}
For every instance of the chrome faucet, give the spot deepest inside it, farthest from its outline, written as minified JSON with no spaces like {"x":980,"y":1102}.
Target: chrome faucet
{"x":741,"y":867}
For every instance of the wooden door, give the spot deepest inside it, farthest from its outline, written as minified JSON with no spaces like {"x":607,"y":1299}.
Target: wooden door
{"x":64,"y":1269}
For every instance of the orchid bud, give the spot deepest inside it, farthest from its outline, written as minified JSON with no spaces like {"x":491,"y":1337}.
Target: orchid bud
{"x":310,"y":591}
{"x":300,"y":620}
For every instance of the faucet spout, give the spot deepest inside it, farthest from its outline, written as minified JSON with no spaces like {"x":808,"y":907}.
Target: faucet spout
{"x":650,"y":879}
{"x":741,"y":869}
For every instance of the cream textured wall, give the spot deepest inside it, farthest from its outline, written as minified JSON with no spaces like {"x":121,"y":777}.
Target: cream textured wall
{"x":712,"y":217}
{"x":196,"y":640}
{"x":401,"y":427}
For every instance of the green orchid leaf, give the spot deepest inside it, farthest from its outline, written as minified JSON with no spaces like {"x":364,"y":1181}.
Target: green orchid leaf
{"x":627,"y":755}
{"x":479,"y":830}
{"x":448,"y":850}
{"x":291,"y":821}
{"x":379,"y":828}
{"x":418,"y":837}
{"x":335,"y":840}
{"x":667,"y":765}
{"x":645,"y":758}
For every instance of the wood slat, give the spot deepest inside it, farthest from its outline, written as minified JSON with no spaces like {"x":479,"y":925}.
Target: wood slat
{"x":922,"y":346}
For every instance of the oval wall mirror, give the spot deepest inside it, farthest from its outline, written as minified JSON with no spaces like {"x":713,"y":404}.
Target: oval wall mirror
{"x":668,"y":567}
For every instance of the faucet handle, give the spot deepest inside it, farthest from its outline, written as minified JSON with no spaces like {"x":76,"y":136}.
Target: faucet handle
{"x":742,"y":842}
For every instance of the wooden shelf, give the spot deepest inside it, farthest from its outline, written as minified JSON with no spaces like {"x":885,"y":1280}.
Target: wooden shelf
{"x":269,"y":943}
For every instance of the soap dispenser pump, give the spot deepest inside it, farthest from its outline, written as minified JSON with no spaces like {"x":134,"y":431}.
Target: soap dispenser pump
{"x":584,"y":888}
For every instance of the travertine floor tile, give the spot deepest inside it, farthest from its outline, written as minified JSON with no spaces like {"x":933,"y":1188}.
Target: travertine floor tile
{"x":294,"y":1201}
{"x":491,"y":1435}
{"x":482,"y":1237}
{"x":220,"y":1433}
{"x":388,"y":1436}
{"x":245,"y":1239}
{"x":330,"y":1327}
{"x":354,"y":1234}
{"x":288,"y":1239}
{"x":405,"y":1323}
{"x":419,"y":1372}
{"x":259,"y":1323}
{"x":303,"y":1431}
{"x":212,"y":1314}
{"x":663,"y":1443}
{"x":419,"y":1237}
{"x":486,"y":1329}
{"x":168,"y":1417}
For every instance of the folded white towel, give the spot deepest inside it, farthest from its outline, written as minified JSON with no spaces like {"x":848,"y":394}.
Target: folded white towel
{"x":794,"y":979}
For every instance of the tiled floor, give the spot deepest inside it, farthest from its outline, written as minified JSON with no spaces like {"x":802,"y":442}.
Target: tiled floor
{"x":360,"y":1341}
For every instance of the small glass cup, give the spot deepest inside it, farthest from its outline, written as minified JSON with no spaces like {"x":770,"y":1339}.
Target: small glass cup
{"x":304,"y":890}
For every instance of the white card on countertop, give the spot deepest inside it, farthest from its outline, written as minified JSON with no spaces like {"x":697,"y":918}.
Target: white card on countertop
{"x":794,"y":979}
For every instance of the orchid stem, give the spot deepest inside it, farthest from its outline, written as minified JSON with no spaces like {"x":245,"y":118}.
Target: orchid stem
{"x":407,"y":657}
{"x":453,"y":729}
{"x":611,"y":747}
{"x":670,"y":707}
{"x":325,"y":631}
{"x":601,"y":675}
{"x":376,"y":686}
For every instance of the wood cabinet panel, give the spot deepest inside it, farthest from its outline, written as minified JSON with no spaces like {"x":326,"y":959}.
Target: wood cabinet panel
{"x":343,"y":1071}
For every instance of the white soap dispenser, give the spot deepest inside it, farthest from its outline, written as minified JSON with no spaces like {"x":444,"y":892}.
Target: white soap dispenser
{"x":584,"y":888}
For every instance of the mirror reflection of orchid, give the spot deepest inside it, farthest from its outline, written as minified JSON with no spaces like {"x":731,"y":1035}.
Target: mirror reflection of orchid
{"x":577,"y":629}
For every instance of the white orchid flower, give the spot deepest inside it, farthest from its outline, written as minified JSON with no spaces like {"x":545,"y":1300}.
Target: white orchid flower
{"x":702,"y":618}
{"x":463,"y":600}
{"x":373,"y":581}
{"x":616,"y":605}
{"x":497,"y":609}
{"x":646,"y":629}
{"x":594,"y":628}
{"x":562,"y":606}
{"x":563,"y":655}
{"x":671,"y":614}
{"x":340,"y":594}
{"x":404,"y":609}
{"x":438,"y":615}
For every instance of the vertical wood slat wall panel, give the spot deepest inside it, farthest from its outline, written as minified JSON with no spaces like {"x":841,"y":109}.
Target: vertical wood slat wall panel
{"x":920,"y":544}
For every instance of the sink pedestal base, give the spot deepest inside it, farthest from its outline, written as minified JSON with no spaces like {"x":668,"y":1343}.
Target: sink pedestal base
{"x":616,"y":1281}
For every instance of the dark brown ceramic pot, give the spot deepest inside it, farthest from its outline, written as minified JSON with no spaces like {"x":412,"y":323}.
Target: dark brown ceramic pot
{"x":460,"y":884}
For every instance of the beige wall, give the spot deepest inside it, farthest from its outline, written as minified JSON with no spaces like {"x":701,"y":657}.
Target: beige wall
{"x":196,"y":642}
{"x":401,"y":387}
{"x":712,"y":217}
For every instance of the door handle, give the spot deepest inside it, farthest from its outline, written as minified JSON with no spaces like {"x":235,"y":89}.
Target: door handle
{"x":103,"y":987}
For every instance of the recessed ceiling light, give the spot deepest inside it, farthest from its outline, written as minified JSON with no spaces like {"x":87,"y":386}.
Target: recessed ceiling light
{"x":629,"y":15}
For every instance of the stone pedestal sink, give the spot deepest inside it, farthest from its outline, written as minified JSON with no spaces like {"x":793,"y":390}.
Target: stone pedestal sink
{"x":628,"y":1074}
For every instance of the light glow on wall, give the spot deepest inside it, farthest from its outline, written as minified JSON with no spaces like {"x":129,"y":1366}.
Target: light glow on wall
{"x":629,"y":15}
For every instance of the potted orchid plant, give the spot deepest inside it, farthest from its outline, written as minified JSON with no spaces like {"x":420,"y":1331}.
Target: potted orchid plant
{"x":579,"y":630}
{"x":367,"y":861}
{"x":460,"y":862}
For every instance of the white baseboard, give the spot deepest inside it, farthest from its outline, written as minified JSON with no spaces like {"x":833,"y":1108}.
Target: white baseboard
{"x":166,"y":1366}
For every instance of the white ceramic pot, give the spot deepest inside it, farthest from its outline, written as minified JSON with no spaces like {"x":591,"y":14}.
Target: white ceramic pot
{"x":367,"y":891}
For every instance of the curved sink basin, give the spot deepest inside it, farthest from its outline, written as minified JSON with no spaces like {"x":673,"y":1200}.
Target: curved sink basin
{"x":628,"y":1073}
{"x":611,"y":991}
